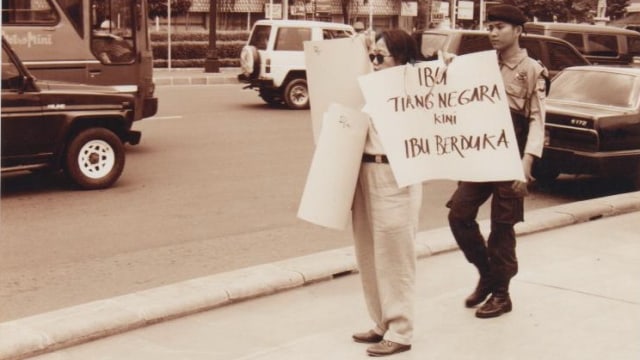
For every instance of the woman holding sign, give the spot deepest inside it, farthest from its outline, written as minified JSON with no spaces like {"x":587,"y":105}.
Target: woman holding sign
{"x":385,"y":222}
{"x":496,"y":261}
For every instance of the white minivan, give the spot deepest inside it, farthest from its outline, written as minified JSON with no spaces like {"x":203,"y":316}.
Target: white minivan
{"x":272,"y":61}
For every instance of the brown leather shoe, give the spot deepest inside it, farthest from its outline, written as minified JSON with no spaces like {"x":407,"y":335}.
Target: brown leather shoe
{"x":497,"y":305}
{"x":370,"y":337}
{"x":483,"y":289}
{"x":386,"y":347}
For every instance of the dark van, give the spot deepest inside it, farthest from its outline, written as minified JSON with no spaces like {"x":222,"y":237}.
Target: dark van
{"x":602,"y":45}
{"x":554,"y":53}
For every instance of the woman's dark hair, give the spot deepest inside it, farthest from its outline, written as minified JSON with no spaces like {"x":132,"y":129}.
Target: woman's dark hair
{"x":401,"y":45}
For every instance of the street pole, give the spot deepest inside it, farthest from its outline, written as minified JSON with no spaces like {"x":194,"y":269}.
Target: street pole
{"x":481,"y":20}
{"x":452,"y":13}
{"x":211,"y":63}
{"x":169,"y":34}
{"x":370,"y":15}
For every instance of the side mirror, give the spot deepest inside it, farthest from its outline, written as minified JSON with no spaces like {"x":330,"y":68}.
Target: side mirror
{"x":26,"y":84}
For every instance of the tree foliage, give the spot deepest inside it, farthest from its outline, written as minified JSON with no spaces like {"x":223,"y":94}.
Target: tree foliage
{"x":569,"y":10}
{"x":159,"y":8}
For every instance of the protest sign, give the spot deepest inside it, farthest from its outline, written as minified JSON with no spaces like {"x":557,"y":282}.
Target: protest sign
{"x":333,"y":67}
{"x":444,"y":122}
{"x":331,"y":182}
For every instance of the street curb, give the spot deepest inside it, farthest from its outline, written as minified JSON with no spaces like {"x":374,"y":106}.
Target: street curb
{"x":47,"y":332}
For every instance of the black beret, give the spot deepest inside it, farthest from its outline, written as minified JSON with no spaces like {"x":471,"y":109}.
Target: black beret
{"x":507,"y":13}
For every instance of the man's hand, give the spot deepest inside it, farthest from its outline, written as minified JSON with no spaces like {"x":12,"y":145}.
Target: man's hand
{"x":520,"y":188}
{"x":527,"y":165}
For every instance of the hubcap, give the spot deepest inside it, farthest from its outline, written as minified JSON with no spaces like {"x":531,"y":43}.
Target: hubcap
{"x":299,"y":95}
{"x":96,"y":159}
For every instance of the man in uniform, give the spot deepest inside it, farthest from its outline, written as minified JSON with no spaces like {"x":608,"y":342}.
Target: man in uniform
{"x":496,"y":261}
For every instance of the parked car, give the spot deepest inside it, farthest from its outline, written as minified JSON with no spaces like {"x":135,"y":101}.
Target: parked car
{"x":601,"y":45}
{"x":50,"y":125}
{"x":554,"y":53}
{"x":272,"y":61}
{"x":593,"y":123}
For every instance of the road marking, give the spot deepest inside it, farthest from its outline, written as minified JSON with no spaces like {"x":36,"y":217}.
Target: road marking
{"x":164,"y":117}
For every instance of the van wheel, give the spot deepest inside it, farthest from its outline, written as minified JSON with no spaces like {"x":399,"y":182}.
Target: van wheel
{"x":250,"y":61}
{"x":296,"y":94}
{"x":95,"y":159}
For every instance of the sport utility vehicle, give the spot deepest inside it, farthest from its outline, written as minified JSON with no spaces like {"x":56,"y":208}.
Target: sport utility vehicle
{"x":554,"y":53}
{"x":273,"y":59}
{"x":55,"y":125}
{"x":602,"y":45}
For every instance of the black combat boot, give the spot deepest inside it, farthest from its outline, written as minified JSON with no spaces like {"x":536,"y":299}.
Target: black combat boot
{"x":498,"y":304}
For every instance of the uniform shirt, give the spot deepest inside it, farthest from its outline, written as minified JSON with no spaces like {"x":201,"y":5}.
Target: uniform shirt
{"x":525,"y":86}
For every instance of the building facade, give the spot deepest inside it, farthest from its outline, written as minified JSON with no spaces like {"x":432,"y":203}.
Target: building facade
{"x":380,"y":14}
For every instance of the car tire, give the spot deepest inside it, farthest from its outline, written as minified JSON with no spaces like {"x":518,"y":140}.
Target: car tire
{"x":270,"y":98}
{"x":296,"y":94}
{"x":95,"y":159}
{"x":250,"y":61}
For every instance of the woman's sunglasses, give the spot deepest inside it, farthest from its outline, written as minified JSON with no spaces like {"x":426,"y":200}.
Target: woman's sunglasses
{"x":378,"y":57}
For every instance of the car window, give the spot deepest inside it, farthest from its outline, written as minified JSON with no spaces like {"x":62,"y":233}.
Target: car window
{"x":534,"y":49}
{"x":28,"y":12}
{"x":474,"y":43}
{"x":602,"y":45}
{"x":335,"y":34}
{"x":11,"y":78}
{"x":260,"y":37}
{"x":634,"y":45}
{"x":562,"y":56}
{"x":290,"y":39}
{"x":586,"y":87}
{"x":633,"y":27}
{"x":574,"y":39}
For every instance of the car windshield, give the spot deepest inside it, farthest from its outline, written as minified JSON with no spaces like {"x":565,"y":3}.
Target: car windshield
{"x":596,"y":87}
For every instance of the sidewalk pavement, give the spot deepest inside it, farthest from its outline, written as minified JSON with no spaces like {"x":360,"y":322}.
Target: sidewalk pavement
{"x":194,"y":76}
{"x":576,"y":296}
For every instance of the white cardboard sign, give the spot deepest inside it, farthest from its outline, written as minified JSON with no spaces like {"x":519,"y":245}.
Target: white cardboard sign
{"x":444,"y":122}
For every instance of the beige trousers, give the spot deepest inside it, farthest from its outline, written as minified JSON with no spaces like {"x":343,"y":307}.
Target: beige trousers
{"x":385,"y":221}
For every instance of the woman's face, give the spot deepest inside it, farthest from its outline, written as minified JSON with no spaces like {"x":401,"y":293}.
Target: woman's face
{"x":380,"y":56}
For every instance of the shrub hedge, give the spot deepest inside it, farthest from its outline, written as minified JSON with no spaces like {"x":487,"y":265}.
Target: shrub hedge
{"x":189,"y":49}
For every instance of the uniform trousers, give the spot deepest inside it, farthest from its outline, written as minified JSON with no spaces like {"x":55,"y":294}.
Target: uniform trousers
{"x":385,"y":222}
{"x":496,"y":258}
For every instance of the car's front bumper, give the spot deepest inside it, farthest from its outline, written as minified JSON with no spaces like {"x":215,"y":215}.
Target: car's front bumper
{"x":607,"y":163}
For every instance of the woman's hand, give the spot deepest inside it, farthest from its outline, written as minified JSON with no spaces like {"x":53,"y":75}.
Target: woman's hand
{"x":446,"y":57}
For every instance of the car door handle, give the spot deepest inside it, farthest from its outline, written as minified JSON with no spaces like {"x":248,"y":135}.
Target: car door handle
{"x":94,"y":73}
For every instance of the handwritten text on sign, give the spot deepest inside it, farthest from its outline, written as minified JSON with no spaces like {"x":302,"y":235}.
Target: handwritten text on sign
{"x":444,"y":122}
